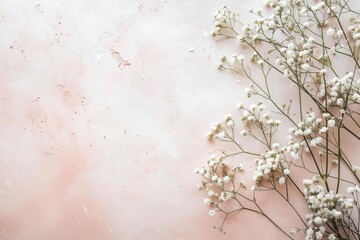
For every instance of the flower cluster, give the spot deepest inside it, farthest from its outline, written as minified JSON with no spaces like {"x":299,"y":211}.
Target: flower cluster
{"x":309,"y":132}
{"x":324,"y":206}
{"x":216,"y":131}
{"x":334,"y":33}
{"x":225,"y":20}
{"x":255,"y":115}
{"x":300,"y":42}
{"x":306,"y":134}
{"x":271,"y":166}
{"x":340,"y":90}
{"x":355,"y":31}
{"x":219,"y":181}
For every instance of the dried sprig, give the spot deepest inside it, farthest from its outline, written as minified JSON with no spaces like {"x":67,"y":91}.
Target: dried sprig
{"x":304,"y":43}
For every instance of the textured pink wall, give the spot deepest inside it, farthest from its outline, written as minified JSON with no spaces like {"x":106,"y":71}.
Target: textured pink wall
{"x":103,"y":113}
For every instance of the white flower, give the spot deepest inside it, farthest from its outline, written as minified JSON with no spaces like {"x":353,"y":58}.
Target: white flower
{"x":305,"y":66}
{"x":355,"y":168}
{"x":356,"y":36}
{"x":282,"y":3}
{"x":309,"y":233}
{"x":224,"y":196}
{"x":242,"y":184}
{"x":319,"y":235}
{"x":230,"y":123}
{"x":252,"y":106}
{"x":212,"y":212}
{"x":331,"y":237}
{"x":241,"y":58}
{"x":290,"y":61}
{"x":330,"y":32}
{"x":340,"y":102}
{"x":308,"y":182}
{"x":294,"y":155}
{"x":336,"y":214}
{"x":356,"y":97}
{"x":322,"y":71}
{"x":331,"y":123}
{"x":275,"y":145}
{"x":326,"y":115}
{"x":221,"y":135}
{"x":350,"y":190}
{"x":318,"y":220}
{"x":315,"y":141}
{"x":282,"y":180}
{"x":323,"y":130}
{"x":248,"y":91}
{"x":211,"y":193}
{"x":255,"y":37}
{"x":307,"y":132}
{"x":304,"y":53}
{"x":226,"y":179}
{"x":262,"y":106}
{"x":286,"y":171}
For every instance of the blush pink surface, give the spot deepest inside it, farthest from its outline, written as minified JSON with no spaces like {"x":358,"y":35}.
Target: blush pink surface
{"x":103,"y":116}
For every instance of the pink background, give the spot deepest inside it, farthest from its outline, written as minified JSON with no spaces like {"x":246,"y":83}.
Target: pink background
{"x":103,"y":116}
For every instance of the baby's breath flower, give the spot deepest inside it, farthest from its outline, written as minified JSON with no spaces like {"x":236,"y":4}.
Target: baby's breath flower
{"x":330,"y":32}
{"x":212,"y":212}
{"x":331,"y":237}
{"x":331,"y":123}
{"x":224,"y":196}
{"x":211,"y":193}
{"x":207,"y":201}
{"x":241,"y":58}
{"x":355,"y":169}
{"x":303,"y":41}
{"x":322,"y":71}
{"x":305,"y":67}
{"x":242,"y":184}
{"x":282,"y":180}
{"x":323,"y":130}
{"x":248,"y":91}
{"x":226,"y":179}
